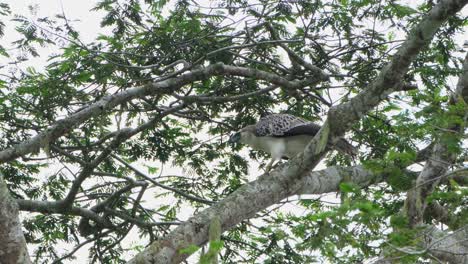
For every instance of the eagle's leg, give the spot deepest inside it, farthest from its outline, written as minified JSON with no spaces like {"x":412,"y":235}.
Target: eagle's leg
{"x":269,"y":166}
{"x":272,"y":164}
{"x":277,"y":149}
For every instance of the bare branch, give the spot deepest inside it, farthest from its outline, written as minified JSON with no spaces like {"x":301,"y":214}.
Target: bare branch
{"x":54,"y":207}
{"x":144,"y":176}
{"x":221,"y":99}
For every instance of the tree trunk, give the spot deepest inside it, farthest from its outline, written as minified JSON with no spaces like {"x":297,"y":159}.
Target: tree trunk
{"x":13,"y":248}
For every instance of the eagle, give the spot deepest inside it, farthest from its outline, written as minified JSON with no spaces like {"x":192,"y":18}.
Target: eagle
{"x":283,"y":136}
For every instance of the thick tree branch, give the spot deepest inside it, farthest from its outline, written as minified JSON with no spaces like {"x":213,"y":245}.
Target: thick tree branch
{"x":245,"y":202}
{"x":392,"y":74}
{"x":329,"y":179}
{"x":13,"y":245}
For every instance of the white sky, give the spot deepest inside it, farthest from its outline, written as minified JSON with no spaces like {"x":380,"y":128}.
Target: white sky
{"x":88,"y":24}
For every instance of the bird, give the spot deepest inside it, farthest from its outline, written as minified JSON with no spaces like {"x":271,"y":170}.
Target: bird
{"x":283,"y":136}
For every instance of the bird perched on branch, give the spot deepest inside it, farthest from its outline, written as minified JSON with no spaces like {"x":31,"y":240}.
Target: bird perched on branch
{"x":283,"y":136}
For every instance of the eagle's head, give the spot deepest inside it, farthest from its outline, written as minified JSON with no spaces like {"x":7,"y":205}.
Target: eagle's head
{"x":245,"y":135}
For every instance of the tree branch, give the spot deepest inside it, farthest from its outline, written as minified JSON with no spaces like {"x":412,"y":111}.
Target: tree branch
{"x":144,"y":176}
{"x":54,"y":207}
{"x":440,"y":159}
{"x":222,"y":99}
{"x":329,"y":179}
{"x":13,"y":245}
{"x":168,"y":86}
{"x":451,"y":247}
{"x":244,"y":203}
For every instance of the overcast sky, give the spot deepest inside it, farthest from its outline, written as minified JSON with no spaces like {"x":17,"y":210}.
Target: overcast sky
{"x":87,"y":24}
{"x":73,"y":9}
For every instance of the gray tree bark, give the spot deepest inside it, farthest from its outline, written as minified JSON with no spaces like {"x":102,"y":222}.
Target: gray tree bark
{"x":13,"y":248}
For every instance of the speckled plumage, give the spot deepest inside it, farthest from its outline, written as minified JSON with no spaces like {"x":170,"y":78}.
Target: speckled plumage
{"x":283,"y":136}
{"x":281,"y":125}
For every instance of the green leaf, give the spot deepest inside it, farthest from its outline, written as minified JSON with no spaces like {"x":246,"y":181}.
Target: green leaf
{"x":399,"y":221}
{"x":348,"y":187}
{"x":189,"y":250}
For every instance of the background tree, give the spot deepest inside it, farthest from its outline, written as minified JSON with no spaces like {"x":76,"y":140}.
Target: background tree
{"x":127,"y":135}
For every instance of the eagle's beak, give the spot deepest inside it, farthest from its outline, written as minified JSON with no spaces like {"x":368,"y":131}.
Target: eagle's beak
{"x":234,"y":138}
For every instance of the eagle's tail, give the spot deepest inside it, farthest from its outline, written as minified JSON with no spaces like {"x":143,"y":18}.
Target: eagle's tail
{"x":346,"y":148}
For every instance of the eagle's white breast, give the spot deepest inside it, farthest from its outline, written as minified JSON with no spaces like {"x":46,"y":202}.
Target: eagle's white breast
{"x":280,"y":147}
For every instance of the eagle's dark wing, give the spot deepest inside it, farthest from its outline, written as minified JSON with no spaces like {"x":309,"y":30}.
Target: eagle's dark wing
{"x":284,"y":125}
{"x":309,"y":129}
